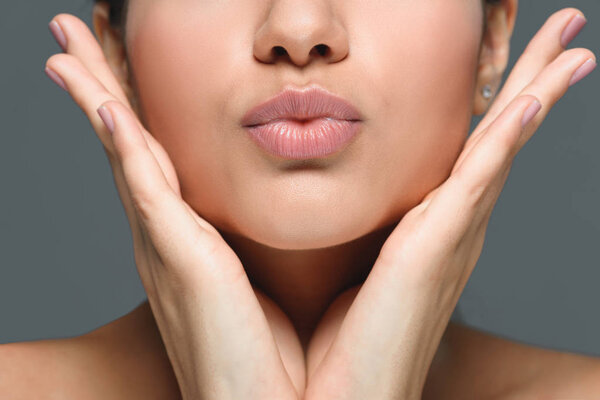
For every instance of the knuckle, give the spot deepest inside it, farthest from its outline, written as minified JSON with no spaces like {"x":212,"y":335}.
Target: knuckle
{"x":473,"y":193}
{"x":470,"y":193}
{"x":147,"y":198}
{"x":144,"y":204}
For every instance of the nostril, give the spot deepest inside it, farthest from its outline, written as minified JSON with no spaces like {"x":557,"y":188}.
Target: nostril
{"x":322,"y":49}
{"x":279,"y":51}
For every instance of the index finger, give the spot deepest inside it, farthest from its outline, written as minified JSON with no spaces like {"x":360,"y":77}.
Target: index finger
{"x":478,"y":174}
{"x":80,"y":42}
{"x":547,"y":44}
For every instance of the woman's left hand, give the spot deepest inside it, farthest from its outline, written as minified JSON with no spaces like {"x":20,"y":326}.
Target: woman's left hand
{"x":389,"y":335}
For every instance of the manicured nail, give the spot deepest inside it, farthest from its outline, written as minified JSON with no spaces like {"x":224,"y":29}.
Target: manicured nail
{"x":107,"y":118}
{"x":58,"y":34}
{"x":572,"y":29}
{"x":57,"y":79}
{"x":583,"y":71}
{"x":531,"y":111}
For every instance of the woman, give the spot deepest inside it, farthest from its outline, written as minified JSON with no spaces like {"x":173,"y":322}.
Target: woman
{"x":298,"y":228}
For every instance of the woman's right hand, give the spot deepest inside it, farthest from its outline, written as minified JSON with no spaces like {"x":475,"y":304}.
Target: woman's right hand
{"x":224,"y":340}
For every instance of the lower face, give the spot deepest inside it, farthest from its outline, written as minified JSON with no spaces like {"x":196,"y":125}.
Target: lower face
{"x":410,"y":71}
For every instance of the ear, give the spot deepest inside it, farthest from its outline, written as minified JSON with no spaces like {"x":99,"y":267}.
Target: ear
{"x":495,"y":49}
{"x":112,"y":42}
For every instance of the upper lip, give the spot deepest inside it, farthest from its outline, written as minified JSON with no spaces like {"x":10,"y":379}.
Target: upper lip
{"x":301,"y":104}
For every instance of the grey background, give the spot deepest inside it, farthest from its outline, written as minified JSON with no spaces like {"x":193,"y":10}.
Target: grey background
{"x":66,"y":260}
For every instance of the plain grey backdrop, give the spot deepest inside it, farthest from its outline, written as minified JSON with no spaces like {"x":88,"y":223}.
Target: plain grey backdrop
{"x":66,"y":259}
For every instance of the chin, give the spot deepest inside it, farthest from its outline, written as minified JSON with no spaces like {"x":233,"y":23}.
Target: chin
{"x":296,"y":230}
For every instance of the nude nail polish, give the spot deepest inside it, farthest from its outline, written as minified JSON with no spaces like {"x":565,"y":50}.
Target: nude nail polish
{"x":582,"y":71}
{"x":55,"y":78}
{"x":572,"y":29}
{"x":107,"y":118}
{"x":530,"y":112}
{"x":58,"y":34}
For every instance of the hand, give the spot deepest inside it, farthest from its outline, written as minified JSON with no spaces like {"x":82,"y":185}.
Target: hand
{"x":220,"y":342}
{"x":382,"y":348}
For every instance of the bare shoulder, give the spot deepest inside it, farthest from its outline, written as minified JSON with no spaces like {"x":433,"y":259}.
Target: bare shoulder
{"x":124,"y":359}
{"x":472,"y":364}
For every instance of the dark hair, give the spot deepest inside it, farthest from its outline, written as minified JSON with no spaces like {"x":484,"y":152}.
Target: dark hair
{"x":118,"y":11}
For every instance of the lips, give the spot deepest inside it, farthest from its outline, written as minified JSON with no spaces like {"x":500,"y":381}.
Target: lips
{"x":300,"y":124}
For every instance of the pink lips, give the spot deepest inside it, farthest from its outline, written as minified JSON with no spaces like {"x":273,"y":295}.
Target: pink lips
{"x":301,"y":124}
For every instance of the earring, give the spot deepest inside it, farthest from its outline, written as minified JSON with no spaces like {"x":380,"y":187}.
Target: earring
{"x":486,"y":91}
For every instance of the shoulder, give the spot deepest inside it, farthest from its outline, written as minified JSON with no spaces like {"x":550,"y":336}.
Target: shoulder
{"x":123,"y":359}
{"x":472,"y":364}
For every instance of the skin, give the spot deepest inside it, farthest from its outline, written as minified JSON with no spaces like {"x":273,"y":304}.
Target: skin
{"x":285,"y":293}
{"x":386,"y":172}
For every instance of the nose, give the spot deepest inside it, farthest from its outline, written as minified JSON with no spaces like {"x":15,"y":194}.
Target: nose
{"x":301,"y":31}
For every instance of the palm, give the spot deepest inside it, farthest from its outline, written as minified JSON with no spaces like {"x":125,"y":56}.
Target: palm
{"x":282,"y":331}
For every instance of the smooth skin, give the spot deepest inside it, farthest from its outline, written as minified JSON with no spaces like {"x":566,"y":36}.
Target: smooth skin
{"x":386,"y":338}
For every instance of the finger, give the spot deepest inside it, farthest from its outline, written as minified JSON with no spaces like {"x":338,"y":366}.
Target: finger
{"x":554,"y":81}
{"x":88,"y":92}
{"x":549,"y":86}
{"x":478,"y":173}
{"x":81,"y":43}
{"x":548,"y":43}
{"x":467,"y":187}
{"x":178,"y":239}
{"x":543,"y":48}
{"x":496,"y":147}
{"x":195,"y":277}
{"x":545,"y":87}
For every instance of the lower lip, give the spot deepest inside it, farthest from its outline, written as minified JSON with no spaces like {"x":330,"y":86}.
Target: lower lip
{"x":294,"y":139}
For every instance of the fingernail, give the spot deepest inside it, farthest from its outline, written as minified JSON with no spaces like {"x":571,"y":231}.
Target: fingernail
{"x":57,"y":79}
{"x":58,"y":34}
{"x":583,"y":71}
{"x":106,"y":118}
{"x":531,"y":111}
{"x":572,"y":29}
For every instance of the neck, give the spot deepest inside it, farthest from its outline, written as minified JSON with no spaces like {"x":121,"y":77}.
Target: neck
{"x":305,"y":282}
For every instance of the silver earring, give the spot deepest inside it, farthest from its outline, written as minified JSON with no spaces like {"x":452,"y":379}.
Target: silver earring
{"x":486,"y":91}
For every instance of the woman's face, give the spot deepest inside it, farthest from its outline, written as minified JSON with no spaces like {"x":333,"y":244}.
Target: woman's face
{"x":408,"y":66}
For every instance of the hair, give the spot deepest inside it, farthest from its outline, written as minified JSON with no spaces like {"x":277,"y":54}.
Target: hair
{"x":118,"y":12}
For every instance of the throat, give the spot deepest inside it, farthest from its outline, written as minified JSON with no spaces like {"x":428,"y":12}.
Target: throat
{"x":303,"y":283}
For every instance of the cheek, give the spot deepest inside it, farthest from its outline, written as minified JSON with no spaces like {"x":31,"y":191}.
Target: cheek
{"x":411,"y":72}
{"x":422,"y":66}
{"x":182,"y":64}
{"x":183,"y":58}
